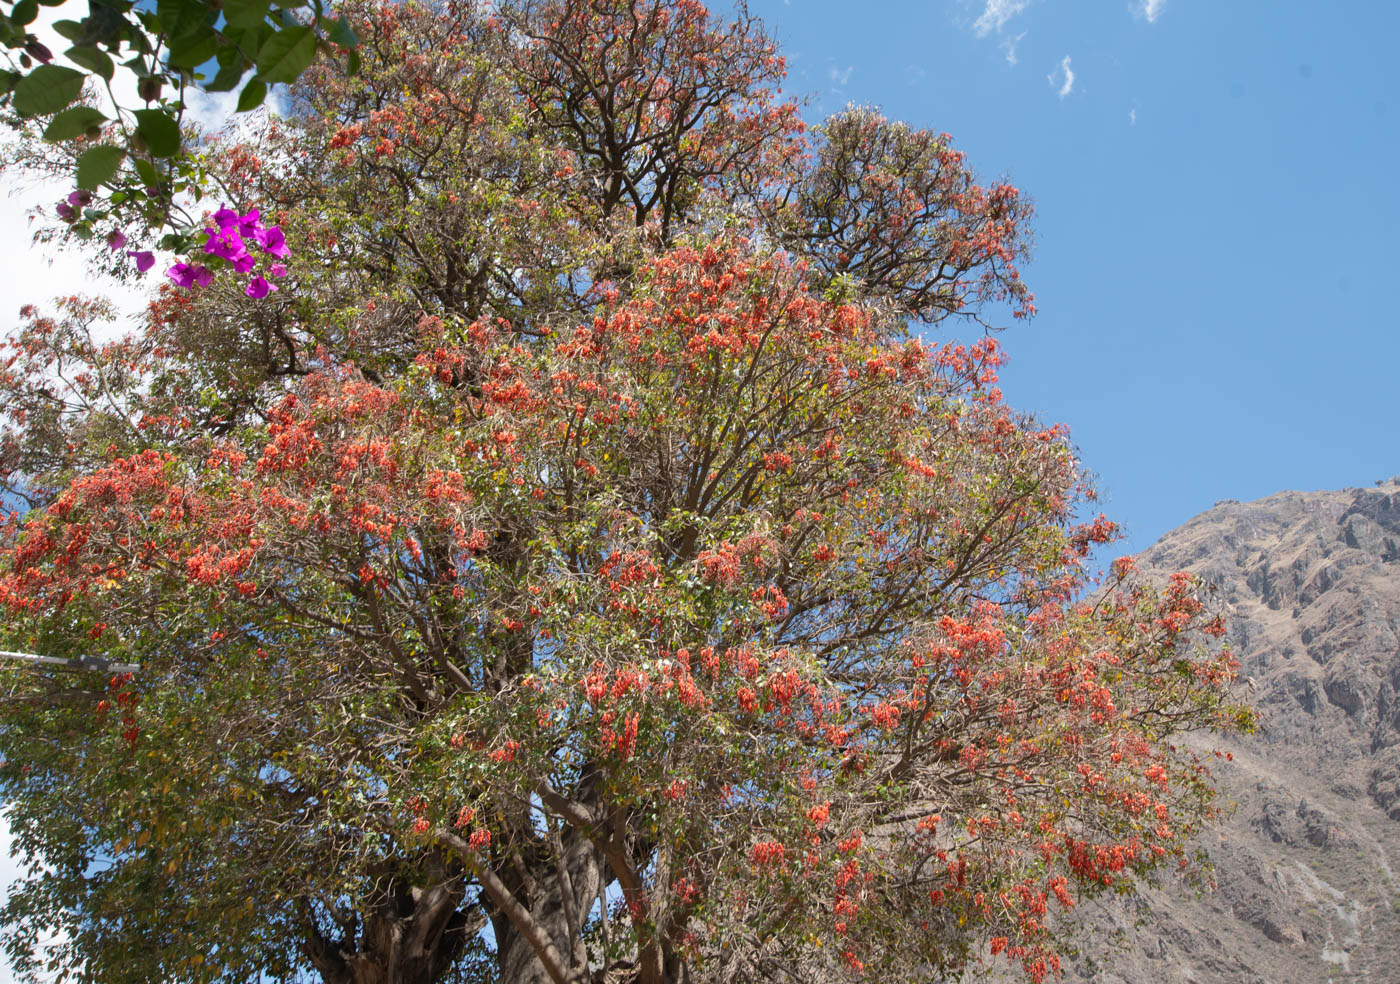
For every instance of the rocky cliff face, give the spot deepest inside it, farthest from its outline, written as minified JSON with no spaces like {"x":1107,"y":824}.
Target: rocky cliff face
{"x":1306,"y":865}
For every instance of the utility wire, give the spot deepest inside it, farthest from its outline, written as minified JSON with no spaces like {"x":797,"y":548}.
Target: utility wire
{"x":97,"y":663}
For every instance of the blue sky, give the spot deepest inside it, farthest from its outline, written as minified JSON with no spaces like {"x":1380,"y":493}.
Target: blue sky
{"x":1215,"y":264}
{"x":1216,"y":248}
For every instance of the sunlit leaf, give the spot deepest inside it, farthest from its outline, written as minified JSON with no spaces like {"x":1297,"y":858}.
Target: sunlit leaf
{"x":97,"y":166}
{"x":160,"y":131}
{"x":286,"y":55}
{"x":47,"y":89}
{"x":72,"y":122}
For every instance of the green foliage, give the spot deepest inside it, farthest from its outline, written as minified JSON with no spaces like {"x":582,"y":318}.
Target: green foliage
{"x":47,"y":89}
{"x":160,"y":133}
{"x":97,"y":165}
{"x":73,"y":122}
{"x":165,"y":49}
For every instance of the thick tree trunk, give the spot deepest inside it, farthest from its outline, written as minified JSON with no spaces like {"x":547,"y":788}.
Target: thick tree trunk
{"x":560,"y":912}
{"x":410,"y":935}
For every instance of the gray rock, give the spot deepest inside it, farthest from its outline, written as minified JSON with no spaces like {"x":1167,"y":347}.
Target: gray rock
{"x":1305,"y":891}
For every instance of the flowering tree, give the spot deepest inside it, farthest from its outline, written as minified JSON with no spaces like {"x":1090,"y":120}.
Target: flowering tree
{"x":576,"y":571}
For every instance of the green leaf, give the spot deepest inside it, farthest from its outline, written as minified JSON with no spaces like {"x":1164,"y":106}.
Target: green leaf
{"x":192,"y":49}
{"x":180,"y":19}
{"x":94,"y":60}
{"x":161,"y":132}
{"x":46,"y":90}
{"x":352,"y":63}
{"x":150,"y":22}
{"x":227,"y":78}
{"x":286,"y":55}
{"x":98,"y":165}
{"x":72,"y":122}
{"x":147,"y":171}
{"x":106,"y":24}
{"x":243,"y":14}
{"x":250,"y":38}
{"x":69,"y":29}
{"x":342,"y":33}
{"x":252,"y":96}
{"x":24,"y":12}
{"x":188,"y":26}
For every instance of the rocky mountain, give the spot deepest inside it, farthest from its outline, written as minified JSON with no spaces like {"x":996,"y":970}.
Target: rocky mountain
{"x":1308,"y":865}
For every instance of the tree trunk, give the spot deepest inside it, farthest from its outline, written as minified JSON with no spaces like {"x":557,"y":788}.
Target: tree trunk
{"x":562,"y":914}
{"x":409,"y":935}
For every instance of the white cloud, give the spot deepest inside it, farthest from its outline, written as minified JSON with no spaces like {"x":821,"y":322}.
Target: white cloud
{"x":996,"y":14}
{"x":1152,"y":9}
{"x":1062,"y":77}
{"x":840,"y":76}
{"x":38,"y":274}
{"x":1009,"y":46}
{"x":1132,"y":117}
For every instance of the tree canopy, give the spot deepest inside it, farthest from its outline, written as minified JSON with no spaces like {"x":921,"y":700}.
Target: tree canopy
{"x":556,"y":549}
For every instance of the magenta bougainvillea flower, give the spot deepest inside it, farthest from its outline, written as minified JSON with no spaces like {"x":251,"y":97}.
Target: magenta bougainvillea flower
{"x":259,"y":288}
{"x":226,"y":218}
{"x":229,"y":239}
{"x":70,"y":210}
{"x":272,"y":241}
{"x":188,"y":275}
{"x":145,"y":259}
{"x":243,"y":262}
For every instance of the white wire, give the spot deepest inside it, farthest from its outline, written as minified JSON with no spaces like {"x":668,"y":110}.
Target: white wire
{"x":72,"y":663}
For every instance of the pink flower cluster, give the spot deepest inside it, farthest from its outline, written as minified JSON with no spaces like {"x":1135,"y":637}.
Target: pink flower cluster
{"x":229,"y":239}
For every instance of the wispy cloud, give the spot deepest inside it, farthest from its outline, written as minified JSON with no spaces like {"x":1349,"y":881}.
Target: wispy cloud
{"x":1009,"y":46}
{"x":840,"y":76}
{"x":1152,"y":9}
{"x":1063,"y":76}
{"x":997,"y":13}
{"x":1132,"y":117}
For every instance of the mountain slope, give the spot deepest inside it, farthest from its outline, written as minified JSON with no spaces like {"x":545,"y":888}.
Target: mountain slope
{"x":1307,"y":864}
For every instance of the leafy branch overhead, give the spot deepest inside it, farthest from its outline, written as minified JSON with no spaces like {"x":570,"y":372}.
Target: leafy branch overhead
{"x":162,"y":51}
